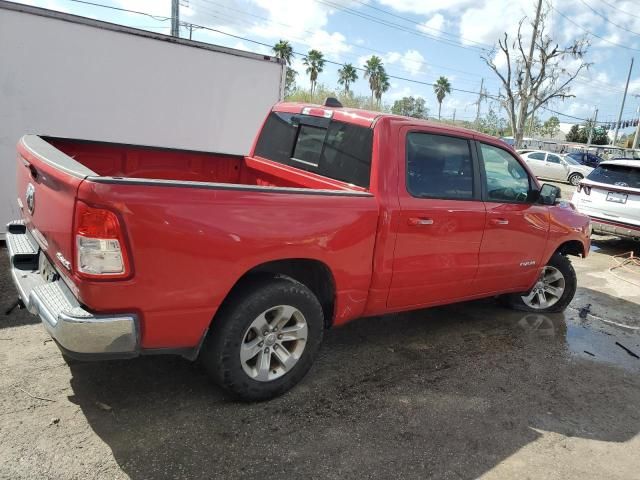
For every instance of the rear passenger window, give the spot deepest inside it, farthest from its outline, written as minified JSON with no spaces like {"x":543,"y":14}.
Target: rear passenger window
{"x":439,"y":166}
{"x":536,"y":156}
{"x":336,"y":150}
{"x":553,"y":159}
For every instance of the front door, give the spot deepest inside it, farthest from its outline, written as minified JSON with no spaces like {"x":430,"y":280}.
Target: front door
{"x":441,"y":220}
{"x":516,"y":229}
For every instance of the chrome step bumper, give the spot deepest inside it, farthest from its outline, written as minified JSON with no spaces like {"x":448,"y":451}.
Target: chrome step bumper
{"x":78,"y":332}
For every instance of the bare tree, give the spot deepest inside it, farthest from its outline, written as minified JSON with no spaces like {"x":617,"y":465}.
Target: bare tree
{"x":532,"y":79}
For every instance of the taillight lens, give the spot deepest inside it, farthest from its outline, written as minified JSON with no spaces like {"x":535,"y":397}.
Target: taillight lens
{"x":99,"y":244}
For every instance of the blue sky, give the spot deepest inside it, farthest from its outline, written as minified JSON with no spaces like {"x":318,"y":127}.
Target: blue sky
{"x":429,"y":39}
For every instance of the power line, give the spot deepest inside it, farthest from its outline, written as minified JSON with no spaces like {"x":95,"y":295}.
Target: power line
{"x":256,"y":42}
{"x":591,"y":33}
{"x":620,"y":10}
{"x":396,"y":26}
{"x":421,"y":25}
{"x":155,"y":17}
{"x":361,"y":47}
{"x":606,"y":19}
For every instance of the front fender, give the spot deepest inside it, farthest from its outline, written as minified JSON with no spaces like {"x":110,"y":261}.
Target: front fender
{"x":568,"y":228}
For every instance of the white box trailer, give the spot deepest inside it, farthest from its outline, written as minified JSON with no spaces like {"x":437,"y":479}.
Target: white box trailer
{"x":67,"y":76}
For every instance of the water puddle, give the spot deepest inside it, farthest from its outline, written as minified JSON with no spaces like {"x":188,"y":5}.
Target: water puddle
{"x":587,"y":338}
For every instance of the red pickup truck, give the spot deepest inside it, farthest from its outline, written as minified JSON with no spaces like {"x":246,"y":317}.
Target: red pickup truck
{"x":243,"y":262}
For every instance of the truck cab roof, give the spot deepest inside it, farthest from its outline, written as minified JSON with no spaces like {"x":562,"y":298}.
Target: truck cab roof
{"x":368,"y":118}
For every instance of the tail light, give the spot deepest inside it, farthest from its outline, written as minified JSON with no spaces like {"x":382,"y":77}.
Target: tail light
{"x":586,"y":188}
{"x":100,"y":249}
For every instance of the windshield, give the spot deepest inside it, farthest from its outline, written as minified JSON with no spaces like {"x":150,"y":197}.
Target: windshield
{"x":619,"y":175}
{"x":571,"y":161}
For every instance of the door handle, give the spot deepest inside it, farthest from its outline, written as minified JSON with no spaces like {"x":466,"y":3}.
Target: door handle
{"x":416,"y":221}
{"x":500,"y":221}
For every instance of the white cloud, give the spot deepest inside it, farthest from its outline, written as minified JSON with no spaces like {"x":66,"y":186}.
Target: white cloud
{"x":425,"y":7}
{"x":412,"y":61}
{"x":434,"y":25}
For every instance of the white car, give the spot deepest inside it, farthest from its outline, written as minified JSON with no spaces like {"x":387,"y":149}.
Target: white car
{"x":610,"y":195}
{"x":555,"y":167}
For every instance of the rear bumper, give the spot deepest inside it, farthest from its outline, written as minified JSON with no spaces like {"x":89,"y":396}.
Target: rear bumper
{"x":80,"y":333}
{"x":617,"y":229}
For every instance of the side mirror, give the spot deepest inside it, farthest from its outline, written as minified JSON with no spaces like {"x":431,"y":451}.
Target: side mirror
{"x":548,"y":194}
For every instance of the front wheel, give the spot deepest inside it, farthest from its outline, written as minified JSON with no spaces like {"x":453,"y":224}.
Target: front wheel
{"x":553,"y":291}
{"x":264,"y":339}
{"x":575,"y":179}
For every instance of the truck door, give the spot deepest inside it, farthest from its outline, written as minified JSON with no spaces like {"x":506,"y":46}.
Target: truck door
{"x":516,"y":229}
{"x":441,"y":220}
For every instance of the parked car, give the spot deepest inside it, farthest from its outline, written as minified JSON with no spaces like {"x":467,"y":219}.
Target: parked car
{"x":554,"y":167}
{"x":610,"y":195}
{"x":585,"y":158}
{"x":242,"y":262}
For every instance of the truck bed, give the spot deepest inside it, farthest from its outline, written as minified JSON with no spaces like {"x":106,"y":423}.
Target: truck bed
{"x":194,"y":224}
{"x":142,"y":162}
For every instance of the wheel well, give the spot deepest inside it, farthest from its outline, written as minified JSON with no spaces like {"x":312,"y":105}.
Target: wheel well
{"x":572,"y":247}
{"x":314,"y":274}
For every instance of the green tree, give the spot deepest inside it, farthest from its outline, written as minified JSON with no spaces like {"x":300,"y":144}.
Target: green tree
{"x":346,"y":76}
{"x":290,"y":81}
{"x":574,"y":134}
{"x":551,"y":127}
{"x":283,"y":50}
{"x":383,"y":85}
{"x":372,"y":69}
{"x":441,"y":88}
{"x":410,"y":107}
{"x":314,"y":61}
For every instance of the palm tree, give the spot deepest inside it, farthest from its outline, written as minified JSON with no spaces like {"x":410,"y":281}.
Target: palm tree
{"x":442,"y":87}
{"x":372,"y":72}
{"x":346,"y":76}
{"x":314,"y":61}
{"x":283,"y":50}
{"x":383,"y":84}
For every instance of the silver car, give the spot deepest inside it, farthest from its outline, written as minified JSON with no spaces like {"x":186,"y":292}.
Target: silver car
{"x":555,"y":167}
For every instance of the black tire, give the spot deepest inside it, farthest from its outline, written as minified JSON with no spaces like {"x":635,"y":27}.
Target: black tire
{"x":562,"y":263}
{"x":575,"y":178}
{"x":220,"y":352}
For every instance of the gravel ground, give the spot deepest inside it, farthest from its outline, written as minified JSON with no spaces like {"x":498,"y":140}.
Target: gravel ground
{"x":466,"y":391}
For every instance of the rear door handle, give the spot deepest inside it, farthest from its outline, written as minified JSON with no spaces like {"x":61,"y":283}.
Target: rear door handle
{"x":416,"y":221}
{"x":500,"y":221}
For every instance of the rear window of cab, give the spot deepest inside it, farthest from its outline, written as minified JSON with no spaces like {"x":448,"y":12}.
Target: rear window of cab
{"x":336,"y":150}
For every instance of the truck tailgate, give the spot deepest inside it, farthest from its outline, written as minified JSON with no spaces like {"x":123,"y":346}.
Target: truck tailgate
{"x":47,"y":182}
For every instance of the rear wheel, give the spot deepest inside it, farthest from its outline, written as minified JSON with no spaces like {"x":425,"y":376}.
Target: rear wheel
{"x":553,"y":291}
{"x":575,"y":178}
{"x":264,"y":340}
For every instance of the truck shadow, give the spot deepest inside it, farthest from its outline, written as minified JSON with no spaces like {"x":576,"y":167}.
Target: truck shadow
{"x":442,"y":393}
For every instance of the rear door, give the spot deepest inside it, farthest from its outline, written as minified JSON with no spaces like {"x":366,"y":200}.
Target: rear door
{"x":535,"y":161}
{"x":516,"y":229}
{"x":441,"y":220}
{"x":554,"y":168}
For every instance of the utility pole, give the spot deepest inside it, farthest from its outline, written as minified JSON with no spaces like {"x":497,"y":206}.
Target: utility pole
{"x":175,"y":18}
{"x":626,"y":87}
{"x":524,"y":105}
{"x":454,"y":115}
{"x":479,"y":102}
{"x":593,"y":126}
